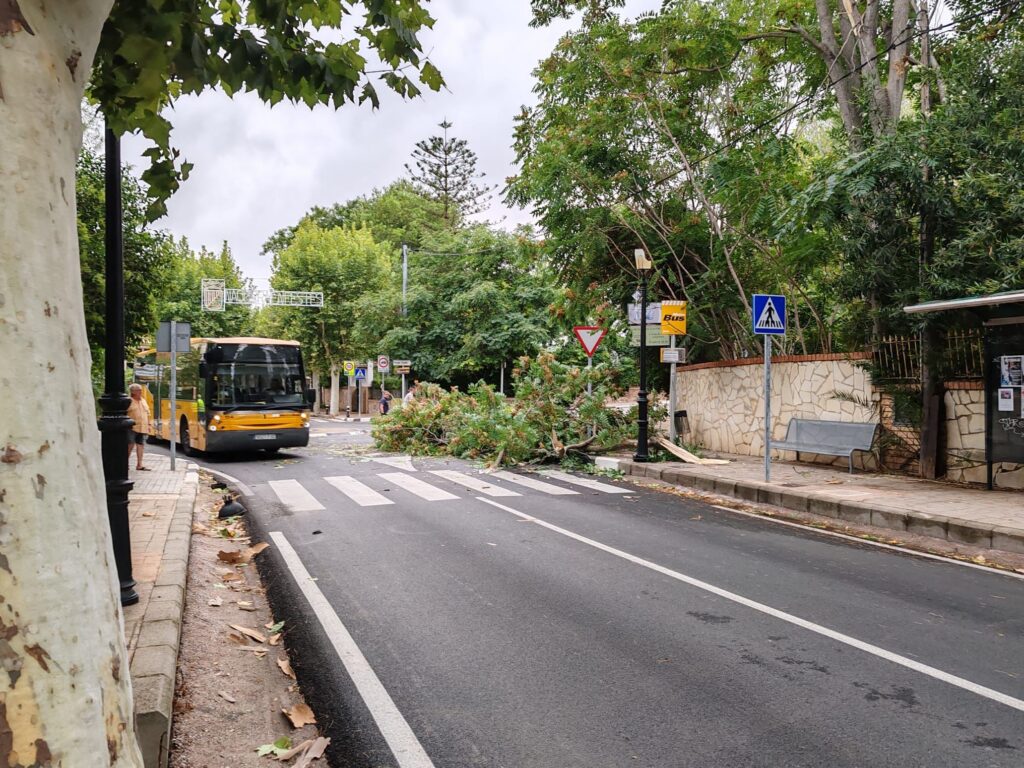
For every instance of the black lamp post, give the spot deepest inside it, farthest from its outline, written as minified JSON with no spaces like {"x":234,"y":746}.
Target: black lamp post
{"x":114,"y":424}
{"x":643,"y":268}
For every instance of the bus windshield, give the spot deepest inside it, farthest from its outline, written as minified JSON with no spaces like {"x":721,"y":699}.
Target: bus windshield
{"x":251,"y":376}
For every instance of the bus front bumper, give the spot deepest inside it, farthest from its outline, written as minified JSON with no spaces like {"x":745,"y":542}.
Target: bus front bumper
{"x":256,"y":439}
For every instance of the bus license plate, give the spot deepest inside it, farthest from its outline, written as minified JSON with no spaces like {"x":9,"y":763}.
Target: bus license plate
{"x":264,"y":437}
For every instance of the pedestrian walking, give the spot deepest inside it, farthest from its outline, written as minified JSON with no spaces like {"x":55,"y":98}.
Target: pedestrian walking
{"x":411,"y":394}
{"x":138,"y":411}
{"x":384,"y":404}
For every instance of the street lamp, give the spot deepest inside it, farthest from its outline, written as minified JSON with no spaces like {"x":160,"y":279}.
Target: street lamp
{"x":114,"y":424}
{"x":643,"y":268}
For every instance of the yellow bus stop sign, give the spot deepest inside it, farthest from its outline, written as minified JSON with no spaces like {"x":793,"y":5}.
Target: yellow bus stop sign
{"x":673,"y":318}
{"x":349,"y":366}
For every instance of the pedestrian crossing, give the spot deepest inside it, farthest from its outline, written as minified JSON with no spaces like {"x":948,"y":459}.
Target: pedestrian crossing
{"x":384,"y":489}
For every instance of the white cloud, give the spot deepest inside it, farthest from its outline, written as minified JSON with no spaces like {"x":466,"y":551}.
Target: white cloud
{"x":258,"y":169}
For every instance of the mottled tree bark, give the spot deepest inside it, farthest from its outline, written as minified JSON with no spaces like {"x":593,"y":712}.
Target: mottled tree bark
{"x":65,"y":694}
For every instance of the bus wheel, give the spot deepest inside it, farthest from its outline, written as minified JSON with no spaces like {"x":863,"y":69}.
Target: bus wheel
{"x":184,"y":439}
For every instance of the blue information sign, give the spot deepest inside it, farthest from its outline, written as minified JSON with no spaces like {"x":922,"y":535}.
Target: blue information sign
{"x":360,"y":373}
{"x":769,"y":314}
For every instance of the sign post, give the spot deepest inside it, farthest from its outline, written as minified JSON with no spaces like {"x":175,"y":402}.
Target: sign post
{"x":360,"y":376}
{"x":174,"y":337}
{"x":673,"y":323}
{"x":384,"y":366}
{"x":590,"y":338}
{"x":769,"y":316}
{"x":402,"y":367}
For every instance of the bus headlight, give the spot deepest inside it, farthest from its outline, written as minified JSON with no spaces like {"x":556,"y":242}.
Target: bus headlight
{"x":213,"y":427}
{"x":216,"y":418}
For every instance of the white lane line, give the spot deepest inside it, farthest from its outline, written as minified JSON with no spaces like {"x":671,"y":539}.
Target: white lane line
{"x":874,"y":650}
{"x":473,"y":483}
{"x":414,"y":485}
{"x":294,"y":496}
{"x":538,"y":485}
{"x":871,"y":542}
{"x":363,"y":495}
{"x":403,"y":463}
{"x":565,"y":477}
{"x":392,"y":724}
{"x":244,"y":489}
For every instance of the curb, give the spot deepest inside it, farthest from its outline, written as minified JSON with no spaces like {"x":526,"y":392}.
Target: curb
{"x":155,"y":663}
{"x":951,"y":529}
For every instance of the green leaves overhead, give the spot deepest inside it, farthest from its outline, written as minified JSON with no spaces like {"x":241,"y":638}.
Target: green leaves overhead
{"x":154,"y":51}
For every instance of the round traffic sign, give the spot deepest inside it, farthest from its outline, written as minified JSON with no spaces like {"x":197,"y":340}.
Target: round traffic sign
{"x":383,"y":362}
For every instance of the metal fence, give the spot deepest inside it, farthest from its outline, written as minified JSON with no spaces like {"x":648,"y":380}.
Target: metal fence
{"x":898,"y":358}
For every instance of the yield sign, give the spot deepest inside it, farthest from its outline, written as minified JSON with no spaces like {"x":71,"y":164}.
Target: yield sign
{"x":590,"y":336}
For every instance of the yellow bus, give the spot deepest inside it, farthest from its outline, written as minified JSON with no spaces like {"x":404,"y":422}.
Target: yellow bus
{"x":233,"y":394}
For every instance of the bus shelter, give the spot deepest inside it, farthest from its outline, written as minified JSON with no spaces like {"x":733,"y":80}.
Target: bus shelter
{"x":1001,"y":317}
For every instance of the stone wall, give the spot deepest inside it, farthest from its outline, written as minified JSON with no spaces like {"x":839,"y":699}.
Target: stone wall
{"x":724,"y":401}
{"x":965,"y":439}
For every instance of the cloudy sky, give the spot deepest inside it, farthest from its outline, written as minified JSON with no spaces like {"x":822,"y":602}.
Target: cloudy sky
{"x":258,"y":169}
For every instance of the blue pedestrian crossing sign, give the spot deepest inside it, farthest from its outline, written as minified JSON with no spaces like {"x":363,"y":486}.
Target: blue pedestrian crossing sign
{"x":769,"y":314}
{"x":360,"y":373}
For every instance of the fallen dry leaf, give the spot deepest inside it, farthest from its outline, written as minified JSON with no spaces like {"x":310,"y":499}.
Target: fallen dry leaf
{"x":315,"y":752}
{"x":237,"y":639}
{"x":251,"y":552}
{"x":298,"y":749}
{"x":227,"y":697}
{"x":199,"y":528}
{"x":149,"y":514}
{"x":275,"y":639}
{"x":230,"y":557}
{"x":300,"y":715}
{"x":249,"y":632}
{"x":216,"y":602}
{"x":246,"y":605}
{"x":232,"y":577}
{"x":260,"y":654}
{"x":286,"y":667}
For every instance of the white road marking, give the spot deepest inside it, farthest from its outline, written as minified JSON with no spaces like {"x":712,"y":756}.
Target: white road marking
{"x":473,"y":483}
{"x":538,"y":485}
{"x":879,"y":544}
{"x":294,"y":496}
{"x":244,"y":489}
{"x":424,"y":490}
{"x":361,"y":494}
{"x":392,"y":724}
{"x":593,"y":485}
{"x":398,"y":462}
{"x":874,"y":650}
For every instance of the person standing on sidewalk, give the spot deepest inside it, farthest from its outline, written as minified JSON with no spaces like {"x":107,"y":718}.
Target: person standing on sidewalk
{"x":138,"y":411}
{"x":384,"y":404}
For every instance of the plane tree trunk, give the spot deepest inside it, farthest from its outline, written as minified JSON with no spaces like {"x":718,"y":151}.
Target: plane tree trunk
{"x":65,"y":693}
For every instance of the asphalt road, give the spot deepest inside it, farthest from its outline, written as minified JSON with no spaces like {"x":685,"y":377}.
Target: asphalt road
{"x":600,"y":629}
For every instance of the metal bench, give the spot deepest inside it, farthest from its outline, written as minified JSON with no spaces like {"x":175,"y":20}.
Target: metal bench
{"x":829,"y":438}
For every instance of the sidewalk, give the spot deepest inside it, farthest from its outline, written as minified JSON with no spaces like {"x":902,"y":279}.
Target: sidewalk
{"x":991,"y":519}
{"x":160,"y":518}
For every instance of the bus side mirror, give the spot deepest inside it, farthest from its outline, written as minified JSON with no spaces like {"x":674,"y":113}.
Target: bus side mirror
{"x":311,"y":396}
{"x":203,"y":370}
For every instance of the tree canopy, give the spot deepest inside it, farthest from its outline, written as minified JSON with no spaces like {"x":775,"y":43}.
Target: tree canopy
{"x":154,"y":51}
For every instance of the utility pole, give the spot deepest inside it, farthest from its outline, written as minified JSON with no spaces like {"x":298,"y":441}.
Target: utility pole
{"x":405,"y":274}
{"x":931,"y":398}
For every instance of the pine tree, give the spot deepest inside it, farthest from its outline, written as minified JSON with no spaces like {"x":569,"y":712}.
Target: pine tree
{"x":446,"y":172}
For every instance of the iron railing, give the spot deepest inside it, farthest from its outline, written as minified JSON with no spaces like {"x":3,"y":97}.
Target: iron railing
{"x":898,"y":358}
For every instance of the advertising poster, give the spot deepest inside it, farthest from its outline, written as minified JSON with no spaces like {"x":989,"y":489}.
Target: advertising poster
{"x":1006,"y":399}
{"x":1011,"y":371}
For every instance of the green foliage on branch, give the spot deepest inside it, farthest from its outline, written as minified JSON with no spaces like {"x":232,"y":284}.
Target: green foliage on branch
{"x":552,"y":417}
{"x":154,"y":51}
